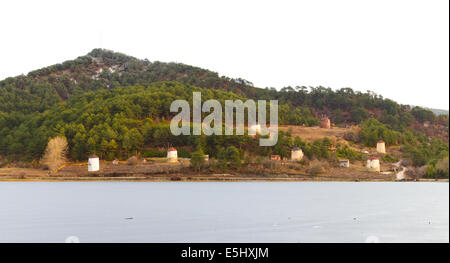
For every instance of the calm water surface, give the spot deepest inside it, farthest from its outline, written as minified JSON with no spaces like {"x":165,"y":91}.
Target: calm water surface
{"x":223,"y":212}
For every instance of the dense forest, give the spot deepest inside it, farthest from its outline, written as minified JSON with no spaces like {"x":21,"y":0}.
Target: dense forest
{"x":116,"y":105}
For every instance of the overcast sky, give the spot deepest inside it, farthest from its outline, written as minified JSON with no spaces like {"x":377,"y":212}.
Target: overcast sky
{"x":399,"y":49}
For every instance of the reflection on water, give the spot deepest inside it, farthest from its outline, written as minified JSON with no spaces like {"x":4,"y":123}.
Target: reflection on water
{"x":223,"y":212}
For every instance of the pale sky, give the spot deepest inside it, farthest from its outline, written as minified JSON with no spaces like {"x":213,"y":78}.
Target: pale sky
{"x":396,"y":48}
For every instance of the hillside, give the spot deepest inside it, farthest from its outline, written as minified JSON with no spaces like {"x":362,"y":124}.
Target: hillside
{"x":116,"y":106}
{"x":101,"y":69}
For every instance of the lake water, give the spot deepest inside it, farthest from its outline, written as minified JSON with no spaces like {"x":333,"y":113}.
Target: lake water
{"x":223,"y":212}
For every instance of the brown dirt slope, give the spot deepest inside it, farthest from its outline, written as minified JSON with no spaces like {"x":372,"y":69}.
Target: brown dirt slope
{"x":313,"y":133}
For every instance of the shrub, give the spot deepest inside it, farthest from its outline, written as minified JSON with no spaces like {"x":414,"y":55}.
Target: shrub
{"x":259,"y":160}
{"x":132,"y":160}
{"x":416,"y":172}
{"x":430,"y":172}
{"x":333,"y":158}
{"x":390,"y":159}
{"x":317,"y":168}
{"x":352,"y":136}
{"x":247,"y":160}
{"x":154,"y":153}
{"x":348,"y":153}
{"x":213,"y":163}
{"x":182,"y":153}
{"x":4,"y":163}
{"x":198,"y":160}
{"x":234,"y":157}
{"x":271,"y":164}
{"x":294,"y":166}
{"x":442,"y":168}
{"x":407,"y":162}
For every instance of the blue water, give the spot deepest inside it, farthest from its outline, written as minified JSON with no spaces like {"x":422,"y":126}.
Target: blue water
{"x":223,"y":212}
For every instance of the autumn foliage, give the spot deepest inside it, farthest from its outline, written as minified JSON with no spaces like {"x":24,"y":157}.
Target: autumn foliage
{"x":55,"y":153}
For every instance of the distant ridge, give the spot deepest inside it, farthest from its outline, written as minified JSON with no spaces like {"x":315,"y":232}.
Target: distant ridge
{"x":438,"y":111}
{"x":435,"y":111}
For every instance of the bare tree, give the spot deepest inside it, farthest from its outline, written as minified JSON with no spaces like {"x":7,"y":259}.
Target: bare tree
{"x":55,"y":153}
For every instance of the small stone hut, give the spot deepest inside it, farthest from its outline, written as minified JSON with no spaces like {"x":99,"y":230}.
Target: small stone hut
{"x":172,"y":155}
{"x":296,"y":154}
{"x":93,"y":163}
{"x":373,"y":165}
{"x":344,"y":163}
{"x":325,"y":123}
{"x":381,"y":146}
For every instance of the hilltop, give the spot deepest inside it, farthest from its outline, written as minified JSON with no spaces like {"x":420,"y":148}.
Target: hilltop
{"x":100,"y":69}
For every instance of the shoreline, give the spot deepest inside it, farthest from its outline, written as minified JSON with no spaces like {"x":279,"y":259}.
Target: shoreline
{"x":208,"y":179}
{"x":171,"y":173}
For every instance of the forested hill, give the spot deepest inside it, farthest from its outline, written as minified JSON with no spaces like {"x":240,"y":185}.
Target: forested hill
{"x":44,"y":89}
{"x":101,"y":69}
